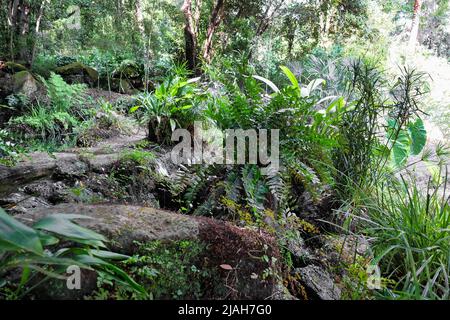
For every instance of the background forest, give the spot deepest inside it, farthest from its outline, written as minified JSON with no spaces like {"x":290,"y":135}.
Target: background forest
{"x":91,"y":91}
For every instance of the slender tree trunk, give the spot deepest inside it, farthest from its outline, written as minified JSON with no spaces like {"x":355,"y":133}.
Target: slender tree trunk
{"x":37,"y":28}
{"x":190,"y":36}
{"x":25,"y":49}
{"x":139,"y":17}
{"x":216,"y":19}
{"x":12,"y":22}
{"x":139,"y":14}
{"x":415,"y":23}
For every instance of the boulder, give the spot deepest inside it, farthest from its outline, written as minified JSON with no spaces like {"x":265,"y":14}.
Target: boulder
{"x":54,"y":192}
{"x":25,"y":83}
{"x":232,"y":254}
{"x":70,"y":168}
{"x":77,"y":72}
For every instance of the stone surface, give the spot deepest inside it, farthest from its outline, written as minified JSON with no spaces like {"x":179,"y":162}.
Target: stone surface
{"x":20,"y":203}
{"x":38,"y":165}
{"x":25,"y":83}
{"x":71,"y":163}
{"x":126,"y":224}
{"x":240,"y":248}
{"x":101,"y":163}
{"x":319,"y":283}
{"x":69,"y":167}
{"x":301,"y":255}
{"x":54,"y":192}
{"x":78,"y":72}
{"x":6,"y":84}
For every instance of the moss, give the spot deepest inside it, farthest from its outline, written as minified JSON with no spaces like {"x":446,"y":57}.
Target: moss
{"x":24,"y":82}
{"x":78,"y":68}
{"x":20,"y":77}
{"x":14,"y":67}
{"x":167,"y":270}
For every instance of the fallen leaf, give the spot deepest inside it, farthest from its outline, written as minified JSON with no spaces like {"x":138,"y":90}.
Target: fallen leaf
{"x":226,"y":267}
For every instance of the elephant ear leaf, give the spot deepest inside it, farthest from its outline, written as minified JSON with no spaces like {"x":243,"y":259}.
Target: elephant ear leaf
{"x":418,"y":136}
{"x":401,"y":148}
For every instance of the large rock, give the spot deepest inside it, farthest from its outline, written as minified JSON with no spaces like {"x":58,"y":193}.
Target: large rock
{"x":78,"y":73}
{"x":240,"y":250}
{"x":69,"y":165}
{"x":39,"y":165}
{"x":20,"y":203}
{"x":25,"y":83}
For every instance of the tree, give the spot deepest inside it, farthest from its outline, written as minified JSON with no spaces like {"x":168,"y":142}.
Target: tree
{"x":191,"y":16}
{"x":415,"y":23}
{"x":216,"y":19}
{"x":24,"y":21}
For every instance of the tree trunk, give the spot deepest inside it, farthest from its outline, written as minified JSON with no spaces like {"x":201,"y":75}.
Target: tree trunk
{"x":190,"y":36}
{"x":12,"y":22}
{"x":216,"y":19}
{"x":25,"y":48}
{"x":139,"y":17}
{"x":415,"y":24}
{"x":37,"y":29}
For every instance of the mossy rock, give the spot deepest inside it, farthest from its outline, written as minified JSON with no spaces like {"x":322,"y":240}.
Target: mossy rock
{"x":221,"y":251}
{"x":78,"y":69}
{"x":24,"y":83}
{"x":14,"y":67}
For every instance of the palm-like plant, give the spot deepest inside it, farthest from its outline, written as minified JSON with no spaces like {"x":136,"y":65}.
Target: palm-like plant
{"x":168,"y":107}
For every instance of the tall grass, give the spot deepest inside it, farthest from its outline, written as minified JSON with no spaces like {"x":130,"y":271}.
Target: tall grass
{"x":409,"y":231}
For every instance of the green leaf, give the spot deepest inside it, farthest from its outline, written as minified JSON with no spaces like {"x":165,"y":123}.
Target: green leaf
{"x":173,"y":125}
{"x":118,"y":274}
{"x":134,"y":109}
{"x":47,"y":239}
{"x":269,"y":83}
{"x":109,"y":255}
{"x":291,"y":76}
{"x":401,"y":148}
{"x":16,"y":235}
{"x":418,"y":136}
{"x":62,"y":225}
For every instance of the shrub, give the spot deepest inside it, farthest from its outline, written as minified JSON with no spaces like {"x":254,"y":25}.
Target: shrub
{"x":169,"y":106}
{"x":56,"y":120}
